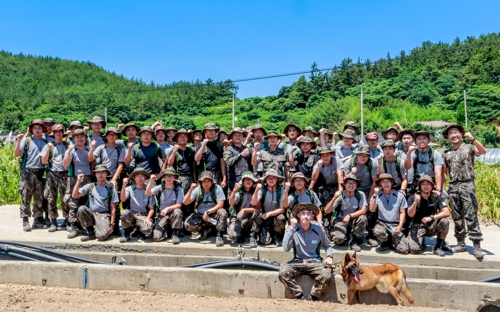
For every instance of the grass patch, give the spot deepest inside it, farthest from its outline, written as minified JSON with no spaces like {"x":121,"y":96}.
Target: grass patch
{"x":9,"y":176}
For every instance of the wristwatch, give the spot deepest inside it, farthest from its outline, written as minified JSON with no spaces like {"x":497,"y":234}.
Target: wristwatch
{"x":432,"y":217}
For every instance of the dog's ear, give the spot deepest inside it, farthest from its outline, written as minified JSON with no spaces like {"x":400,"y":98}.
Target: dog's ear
{"x":354,"y":255}
{"x":347,"y":257}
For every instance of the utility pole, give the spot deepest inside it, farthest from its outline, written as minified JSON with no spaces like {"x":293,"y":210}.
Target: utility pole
{"x":362,"y":126}
{"x":233,"y":112}
{"x":465,"y":108}
{"x":106,"y":118}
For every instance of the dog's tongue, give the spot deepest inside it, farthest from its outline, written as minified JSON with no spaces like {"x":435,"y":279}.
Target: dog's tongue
{"x":356,"y":277}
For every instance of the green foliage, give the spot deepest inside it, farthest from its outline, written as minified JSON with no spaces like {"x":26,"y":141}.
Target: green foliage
{"x":488,"y":190}
{"x":9,"y":175}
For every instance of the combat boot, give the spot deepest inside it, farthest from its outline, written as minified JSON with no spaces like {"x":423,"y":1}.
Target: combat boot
{"x":446,"y":248}
{"x":53,"y":225}
{"x":460,"y":247}
{"x":73,"y":231}
{"x":205,"y":232}
{"x":175,"y":237}
{"x":437,"y":248}
{"x":353,"y":245}
{"x":126,"y":235}
{"x":278,"y":240}
{"x":384,"y":247}
{"x":219,"y":241}
{"x":253,"y":241}
{"x":26,"y":224}
{"x":65,"y":223}
{"x":90,"y":234}
{"x":478,"y":253}
{"x":372,"y":241}
{"x":39,"y":223}
{"x":47,"y":221}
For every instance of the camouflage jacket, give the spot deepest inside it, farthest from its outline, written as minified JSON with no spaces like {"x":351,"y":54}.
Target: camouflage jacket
{"x":460,"y":162}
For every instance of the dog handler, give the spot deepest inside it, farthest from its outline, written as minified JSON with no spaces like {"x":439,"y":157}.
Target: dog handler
{"x":305,"y":239}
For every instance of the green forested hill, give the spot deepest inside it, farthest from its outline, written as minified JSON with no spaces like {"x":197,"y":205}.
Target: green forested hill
{"x":425,"y":83}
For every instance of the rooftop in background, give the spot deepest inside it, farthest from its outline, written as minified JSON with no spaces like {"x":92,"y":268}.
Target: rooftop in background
{"x":435,"y":123}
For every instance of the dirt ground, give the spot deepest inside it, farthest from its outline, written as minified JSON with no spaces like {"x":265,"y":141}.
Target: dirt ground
{"x":38,"y":298}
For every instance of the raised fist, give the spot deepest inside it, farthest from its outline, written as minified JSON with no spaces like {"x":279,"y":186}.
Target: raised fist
{"x":245,"y":152}
{"x":288,"y":185}
{"x":417,"y":198}
{"x":258,"y":186}
{"x":193,"y":186}
{"x":152,"y":177}
{"x":468,"y":136}
{"x":130,"y":145}
{"x":50,"y":145}
{"x":80,"y":177}
{"x":93,"y":144}
{"x":205,"y":141}
{"x":354,"y":170}
{"x":337,"y":194}
{"x":70,"y":147}
{"x":125,"y":182}
{"x":236,"y":187}
{"x":293,"y":223}
{"x":376,"y":190}
{"x":320,"y":163}
{"x":20,"y":136}
{"x":257,"y":145}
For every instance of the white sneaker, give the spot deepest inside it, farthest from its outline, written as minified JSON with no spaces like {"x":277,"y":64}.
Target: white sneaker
{"x":195,"y":235}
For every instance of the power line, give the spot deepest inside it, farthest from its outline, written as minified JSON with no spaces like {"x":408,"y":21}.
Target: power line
{"x":412,"y":56}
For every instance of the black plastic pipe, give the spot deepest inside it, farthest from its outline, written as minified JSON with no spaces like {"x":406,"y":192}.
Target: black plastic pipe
{"x":16,"y":255}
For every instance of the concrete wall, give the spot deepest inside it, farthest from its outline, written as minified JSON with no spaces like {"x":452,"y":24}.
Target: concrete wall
{"x":427,"y":293}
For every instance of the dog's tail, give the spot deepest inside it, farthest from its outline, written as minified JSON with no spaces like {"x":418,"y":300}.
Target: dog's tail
{"x":405,"y":290}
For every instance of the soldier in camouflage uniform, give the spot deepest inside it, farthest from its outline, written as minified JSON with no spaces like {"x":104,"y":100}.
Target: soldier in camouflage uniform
{"x":429,"y":215}
{"x":302,"y":156}
{"x":76,"y":161}
{"x":244,"y":215}
{"x":99,"y":216}
{"x":327,"y":175}
{"x":170,"y":197}
{"x":349,"y":214}
{"x":210,"y":155}
{"x":305,"y":238}
{"x":57,"y":176}
{"x":28,"y":147}
{"x":237,"y":157}
{"x":459,"y":164}
{"x":273,"y":156}
{"x":257,"y":133}
{"x":209,"y":199}
{"x":391,"y":206}
{"x":142,"y":205}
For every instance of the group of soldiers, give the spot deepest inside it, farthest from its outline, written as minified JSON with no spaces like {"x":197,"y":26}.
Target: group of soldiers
{"x":166,"y":183}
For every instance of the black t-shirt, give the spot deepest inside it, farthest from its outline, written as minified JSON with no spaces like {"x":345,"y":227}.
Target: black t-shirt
{"x":185,"y":161}
{"x":427,"y":207}
{"x":147,"y":157}
{"x":212,"y":155}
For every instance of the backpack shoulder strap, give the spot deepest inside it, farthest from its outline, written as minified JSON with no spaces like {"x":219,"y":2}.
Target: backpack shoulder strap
{"x":264,"y":193}
{"x":212,"y":193}
{"x":358,"y":196}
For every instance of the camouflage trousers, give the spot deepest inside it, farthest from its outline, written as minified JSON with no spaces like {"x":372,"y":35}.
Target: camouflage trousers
{"x":326,"y":192}
{"x":101,"y":221}
{"x":74,"y":203}
{"x":186,"y":181}
{"x":174,"y":218}
{"x":250,"y":221}
{"x":131,"y":218}
{"x":195,"y":222}
{"x":382,"y":232}
{"x":57,"y":182}
{"x":464,"y":207}
{"x":31,"y":187}
{"x":312,"y":268}
{"x":419,"y":231}
{"x":356,"y":227}
{"x":275,"y":224}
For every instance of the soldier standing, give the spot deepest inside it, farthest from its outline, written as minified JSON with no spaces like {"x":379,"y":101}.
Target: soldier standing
{"x":28,"y":147}
{"x":327,"y":175}
{"x":459,"y":164}
{"x":237,"y":157}
{"x":305,"y":239}
{"x":273,"y":156}
{"x":210,"y":155}
{"x":96,"y":124}
{"x":57,"y":176}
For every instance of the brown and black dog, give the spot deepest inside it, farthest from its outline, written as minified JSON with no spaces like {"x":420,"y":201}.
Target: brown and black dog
{"x":392,"y":275}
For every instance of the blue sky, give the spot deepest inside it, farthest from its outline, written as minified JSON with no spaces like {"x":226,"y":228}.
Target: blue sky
{"x":166,"y":41}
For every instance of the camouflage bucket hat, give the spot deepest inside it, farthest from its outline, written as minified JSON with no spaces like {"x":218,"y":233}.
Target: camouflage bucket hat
{"x":287,"y":127}
{"x":324,"y":150}
{"x":113,"y":130}
{"x":210,"y":126}
{"x":349,"y":134}
{"x":306,"y":139}
{"x":237,"y":130}
{"x":384,"y":176}
{"x":222,"y":130}
{"x":402,"y":133}
{"x":170,"y":128}
{"x":387,"y":143}
{"x":37,"y":122}
{"x":272,"y":173}
{"x":249,"y":175}
{"x":384,"y":132}
{"x":130,"y":124}
{"x":75,"y":123}
{"x":257,"y":127}
{"x":206,"y":175}
{"x":351,"y":124}
{"x":97,"y":119}
{"x":447,"y":129}
{"x":49,"y":121}
{"x":362,"y":149}
{"x":272,"y":133}
{"x":140,"y":170}
{"x":426,"y":178}
{"x":298,"y":175}
{"x":182,"y":131}
{"x":305,"y":206}
{"x":417,"y":133}
{"x":309,"y":129}
{"x":100,"y":168}
{"x":146,"y":129}
{"x":351,"y":177}
{"x":78,"y":132}
{"x":57,"y":127}
{"x":169,"y":171}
